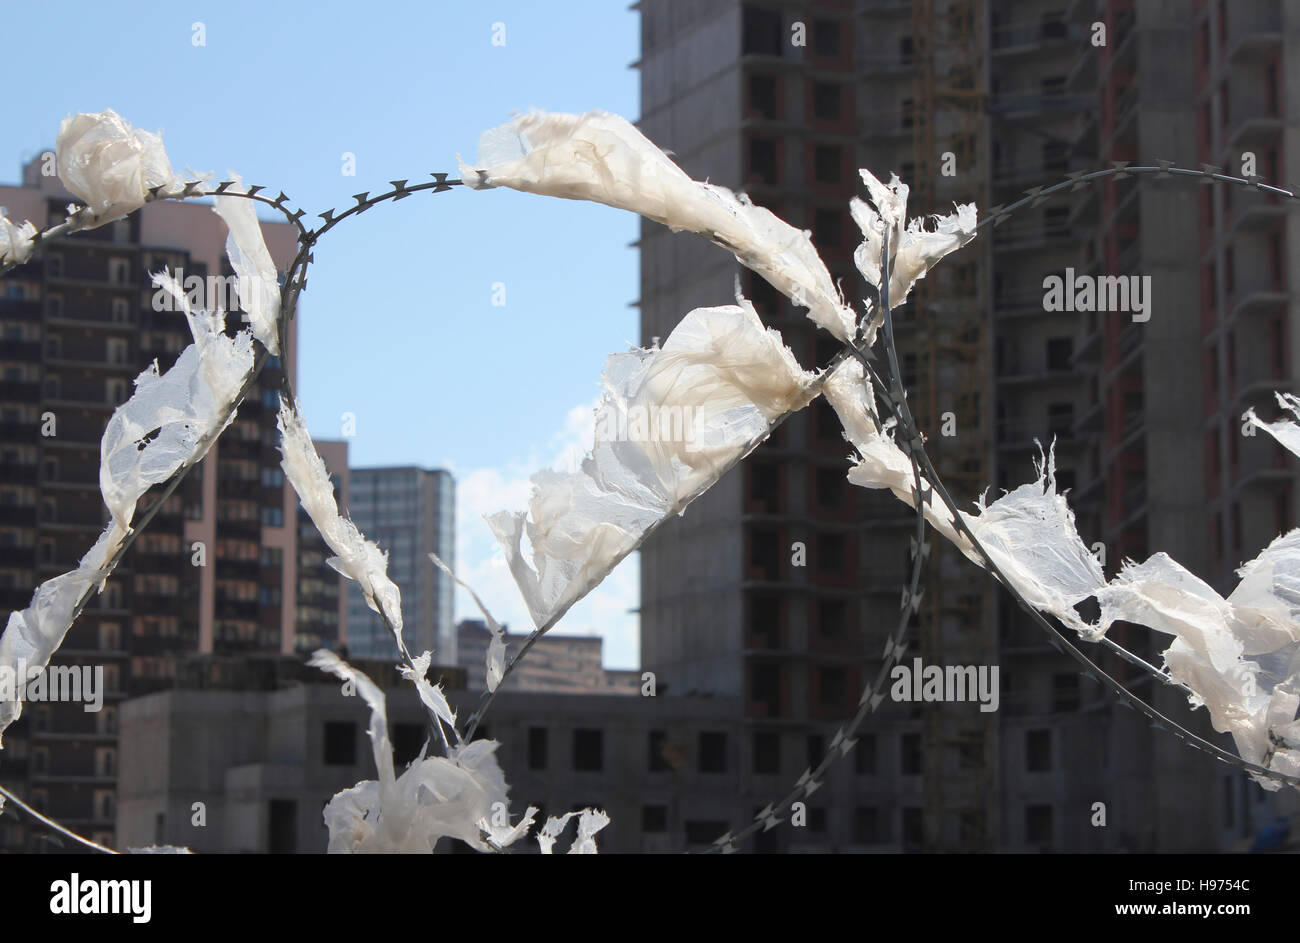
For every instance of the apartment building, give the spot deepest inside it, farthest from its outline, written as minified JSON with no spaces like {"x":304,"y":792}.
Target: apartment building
{"x":410,"y":512}
{"x":264,"y":759}
{"x":557,"y":664}
{"x":982,"y":101}
{"x":218,"y":570}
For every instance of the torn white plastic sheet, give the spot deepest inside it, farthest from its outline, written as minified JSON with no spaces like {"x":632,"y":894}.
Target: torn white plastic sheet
{"x":258,"y":283}
{"x":1286,"y":431}
{"x":355,"y":557}
{"x":496,"y":650}
{"x":1252,"y":698}
{"x":33,"y":635}
{"x":1031,"y":535}
{"x":1239,"y":657}
{"x":463,"y":795}
{"x":913,"y":248}
{"x":15,"y":240}
{"x":603,"y":158}
{"x":431,"y":695}
{"x":879,"y":462}
{"x":590,"y":821}
{"x":160,"y":428}
{"x":111,"y":166}
{"x":669,"y":422}
{"x":167,"y":424}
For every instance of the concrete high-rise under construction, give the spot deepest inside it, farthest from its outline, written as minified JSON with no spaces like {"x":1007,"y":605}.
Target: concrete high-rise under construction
{"x":982,"y":100}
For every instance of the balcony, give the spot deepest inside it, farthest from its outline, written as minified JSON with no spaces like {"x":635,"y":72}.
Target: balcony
{"x":1037,"y":102}
{"x":1027,"y":173}
{"x":1033,"y":36}
{"x":887,"y":64}
{"x":1254,"y":31}
{"x":896,"y":122}
{"x":1255,"y":125}
{"x":1013,"y":373}
{"x":1030,"y":235}
{"x":1260,"y":301}
{"x":1253,"y":212}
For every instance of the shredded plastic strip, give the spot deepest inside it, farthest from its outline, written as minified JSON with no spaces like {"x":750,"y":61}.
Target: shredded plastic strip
{"x":603,"y":158}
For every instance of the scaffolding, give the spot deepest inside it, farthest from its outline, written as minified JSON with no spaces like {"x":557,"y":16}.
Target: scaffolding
{"x":952,"y":388}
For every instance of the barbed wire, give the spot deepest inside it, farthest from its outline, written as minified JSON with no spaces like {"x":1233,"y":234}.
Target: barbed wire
{"x":912,"y":441}
{"x":924,"y":485}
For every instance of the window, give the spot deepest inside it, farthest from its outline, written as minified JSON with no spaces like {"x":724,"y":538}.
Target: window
{"x":828,"y":163}
{"x":1060,"y":419}
{"x":830,"y":687}
{"x":830,"y":553}
{"x":762,"y":95}
{"x":1065,"y":687}
{"x":970,"y":750}
{"x":866,"y":826}
{"x":119,"y":271}
{"x":54,"y":266}
{"x":910,"y":754}
{"x":913,"y":827}
{"x":826,"y":38}
{"x":588,"y":750}
{"x":765,"y":622}
{"x":765,"y":485}
{"x":119,"y":311}
{"x":832,"y":618}
{"x":282,"y":837}
{"x":654,"y":818}
{"x":713,"y":752}
{"x":761,"y":32}
{"x":655,"y":759}
{"x":116,"y":349}
{"x":1059,"y":351}
{"x":762,"y":160}
{"x":1038,"y":823}
{"x":865,"y":755}
{"x":704,"y":833}
{"x":537,"y":747}
{"x":817,"y":820}
{"x":826,"y":424}
{"x":1038,"y":751}
{"x":340,"y":743}
{"x":831,"y":487}
{"x":765,"y":688}
{"x":767,"y":752}
{"x":765,"y":555}
{"x":815,"y":745}
{"x":272,"y":517}
{"x":828,"y":228}
{"x":828,"y":101}
{"x":408,"y":740}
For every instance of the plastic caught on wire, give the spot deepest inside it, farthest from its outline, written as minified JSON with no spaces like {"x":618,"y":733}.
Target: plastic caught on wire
{"x":603,"y":158}
{"x":670,"y":420}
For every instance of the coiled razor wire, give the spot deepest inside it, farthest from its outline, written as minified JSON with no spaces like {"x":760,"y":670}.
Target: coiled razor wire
{"x":895,"y":403}
{"x":912,"y":442}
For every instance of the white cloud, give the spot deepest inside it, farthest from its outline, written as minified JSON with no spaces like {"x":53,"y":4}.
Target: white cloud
{"x":479,"y":561}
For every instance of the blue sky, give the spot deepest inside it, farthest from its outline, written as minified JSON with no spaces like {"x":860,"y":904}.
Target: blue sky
{"x":397,"y":325}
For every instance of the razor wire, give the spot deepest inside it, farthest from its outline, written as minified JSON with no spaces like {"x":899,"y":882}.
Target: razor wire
{"x":913,"y":443}
{"x":895,"y":403}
